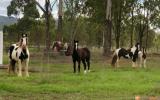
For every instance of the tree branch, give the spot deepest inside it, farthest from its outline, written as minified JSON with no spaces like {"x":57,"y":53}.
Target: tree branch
{"x":53,"y":4}
{"x":40,"y":7}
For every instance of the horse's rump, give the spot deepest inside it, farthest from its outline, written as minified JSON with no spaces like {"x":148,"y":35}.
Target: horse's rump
{"x":11,"y":48}
{"x":84,"y":53}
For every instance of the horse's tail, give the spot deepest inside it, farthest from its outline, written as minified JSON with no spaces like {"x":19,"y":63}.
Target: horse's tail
{"x":12,"y":62}
{"x":10,"y":51}
{"x":114,"y":59}
{"x":12,"y":65}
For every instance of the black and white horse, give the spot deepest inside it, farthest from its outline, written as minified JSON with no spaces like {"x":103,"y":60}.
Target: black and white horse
{"x":19,"y":54}
{"x":78,"y":55}
{"x":133,"y":53}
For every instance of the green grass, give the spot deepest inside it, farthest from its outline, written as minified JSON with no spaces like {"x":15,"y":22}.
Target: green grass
{"x":57,"y":82}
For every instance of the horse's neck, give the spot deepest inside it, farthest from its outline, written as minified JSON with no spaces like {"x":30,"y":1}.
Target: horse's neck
{"x":75,"y":50}
{"x":19,"y":44}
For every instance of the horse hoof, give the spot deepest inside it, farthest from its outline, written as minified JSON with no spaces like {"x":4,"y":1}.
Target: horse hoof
{"x":85,"y":72}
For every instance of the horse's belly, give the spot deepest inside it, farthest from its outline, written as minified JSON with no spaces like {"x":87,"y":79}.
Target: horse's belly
{"x":15,"y":55}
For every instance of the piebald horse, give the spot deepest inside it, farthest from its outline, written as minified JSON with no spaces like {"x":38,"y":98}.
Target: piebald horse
{"x":78,"y":55}
{"x":133,"y":53}
{"x":19,"y":54}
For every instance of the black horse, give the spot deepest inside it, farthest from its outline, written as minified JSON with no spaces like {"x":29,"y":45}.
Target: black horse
{"x":78,"y":55}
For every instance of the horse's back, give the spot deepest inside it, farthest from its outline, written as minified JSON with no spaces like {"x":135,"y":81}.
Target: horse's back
{"x":86,"y":53}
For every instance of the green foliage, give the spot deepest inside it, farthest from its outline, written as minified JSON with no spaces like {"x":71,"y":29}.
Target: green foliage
{"x":26,"y":7}
{"x":96,"y":10}
{"x":30,"y":23}
{"x":85,"y":20}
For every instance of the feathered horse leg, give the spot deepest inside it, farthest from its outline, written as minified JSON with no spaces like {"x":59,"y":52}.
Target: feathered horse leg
{"x":114,"y":60}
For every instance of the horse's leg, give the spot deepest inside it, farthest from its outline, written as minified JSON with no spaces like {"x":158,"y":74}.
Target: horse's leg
{"x":26,"y":67}
{"x":141,"y":60}
{"x":144,"y":63}
{"x":19,"y":68}
{"x":140,"y":56}
{"x":9,"y":67}
{"x":74,"y":66}
{"x":14,"y":68}
{"x":134,"y":62}
{"x":88,"y":64}
{"x":117,"y":62}
{"x":79,"y":63}
{"x":84,"y":64}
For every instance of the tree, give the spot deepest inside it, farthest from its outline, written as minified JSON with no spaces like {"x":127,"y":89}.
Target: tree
{"x":108,"y":28}
{"x":29,"y":11}
{"x":59,"y":30}
{"x":47,"y":13}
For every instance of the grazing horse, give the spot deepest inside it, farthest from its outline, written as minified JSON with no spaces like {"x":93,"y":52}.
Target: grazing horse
{"x":133,"y":53}
{"x":58,"y":46}
{"x":78,"y":55}
{"x":19,"y":53}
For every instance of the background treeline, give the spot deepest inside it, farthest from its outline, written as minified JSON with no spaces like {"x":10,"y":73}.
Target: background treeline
{"x":101,"y":23}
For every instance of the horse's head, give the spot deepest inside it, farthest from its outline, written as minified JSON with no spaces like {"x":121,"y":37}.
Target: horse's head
{"x":23,"y":40}
{"x":57,"y":45}
{"x":75,"y":44}
{"x":137,"y":46}
{"x":71,"y":47}
{"x":69,"y":50}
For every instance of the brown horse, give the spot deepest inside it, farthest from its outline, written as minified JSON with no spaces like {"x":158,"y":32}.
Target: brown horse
{"x":78,"y":55}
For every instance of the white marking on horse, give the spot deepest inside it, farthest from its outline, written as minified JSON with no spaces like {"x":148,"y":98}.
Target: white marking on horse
{"x":117,"y":51}
{"x":133,"y":49}
{"x":76,"y":45}
{"x":127,"y":56}
{"x":24,"y":41}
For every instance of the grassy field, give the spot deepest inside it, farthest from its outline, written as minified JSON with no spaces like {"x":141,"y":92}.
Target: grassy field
{"x":57,"y":82}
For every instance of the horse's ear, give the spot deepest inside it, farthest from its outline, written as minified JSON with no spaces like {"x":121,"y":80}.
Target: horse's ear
{"x":24,"y":35}
{"x":137,"y":43}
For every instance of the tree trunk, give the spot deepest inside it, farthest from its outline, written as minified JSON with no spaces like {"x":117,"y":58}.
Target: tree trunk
{"x":118,"y":24}
{"x":143,"y":25}
{"x":147,"y":32}
{"x":47,"y":15}
{"x":59,"y":34}
{"x":108,"y":30}
{"x":131,"y":38}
